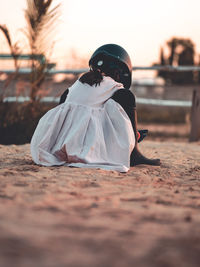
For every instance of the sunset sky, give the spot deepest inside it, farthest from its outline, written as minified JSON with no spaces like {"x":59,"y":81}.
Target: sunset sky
{"x":141,"y":26}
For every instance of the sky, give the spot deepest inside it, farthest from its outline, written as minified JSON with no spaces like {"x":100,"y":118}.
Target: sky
{"x":141,"y":26}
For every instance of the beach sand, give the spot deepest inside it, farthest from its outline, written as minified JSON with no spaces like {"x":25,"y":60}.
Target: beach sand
{"x":60,"y":216}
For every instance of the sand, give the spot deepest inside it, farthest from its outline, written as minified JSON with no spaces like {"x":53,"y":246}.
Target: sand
{"x":60,"y":216}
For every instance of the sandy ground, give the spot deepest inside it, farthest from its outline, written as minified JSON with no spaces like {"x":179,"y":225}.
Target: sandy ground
{"x":59,"y":216}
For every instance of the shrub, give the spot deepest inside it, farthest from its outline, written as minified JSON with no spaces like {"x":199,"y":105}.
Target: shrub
{"x":19,"y":120}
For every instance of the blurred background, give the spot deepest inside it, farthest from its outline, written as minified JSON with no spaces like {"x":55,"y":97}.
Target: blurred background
{"x":44,"y":44}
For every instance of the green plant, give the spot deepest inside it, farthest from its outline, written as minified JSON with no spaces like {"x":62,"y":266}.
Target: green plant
{"x":14,"y":50}
{"x":181,"y":53}
{"x":41,"y":20}
{"x":19,"y":120}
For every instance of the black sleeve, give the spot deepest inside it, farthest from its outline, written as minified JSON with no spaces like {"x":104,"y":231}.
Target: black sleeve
{"x":63,"y":96}
{"x":125,"y":98}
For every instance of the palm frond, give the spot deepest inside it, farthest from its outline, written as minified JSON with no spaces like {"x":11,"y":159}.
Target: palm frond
{"x":14,"y":48}
{"x":5,"y":31}
{"x":41,"y":20}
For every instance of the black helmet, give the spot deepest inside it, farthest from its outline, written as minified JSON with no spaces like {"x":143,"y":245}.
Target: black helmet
{"x":113,"y":56}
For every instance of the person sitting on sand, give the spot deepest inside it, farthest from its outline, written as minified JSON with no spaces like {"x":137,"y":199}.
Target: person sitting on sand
{"x":95,"y":123}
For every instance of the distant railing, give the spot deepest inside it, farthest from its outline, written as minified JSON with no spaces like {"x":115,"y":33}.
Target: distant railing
{"x":140,"y":100}
{"x":195,"y":122}
{"x":79,"y":71}
{"x":169,"y":68}
{"x":39,"y":57}
{"x":158,"y":102}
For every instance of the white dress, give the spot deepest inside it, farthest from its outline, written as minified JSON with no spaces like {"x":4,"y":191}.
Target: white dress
{"x":89,"y":130}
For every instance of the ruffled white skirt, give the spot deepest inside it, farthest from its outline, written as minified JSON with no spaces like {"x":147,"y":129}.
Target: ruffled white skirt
{"x":82,"y":136}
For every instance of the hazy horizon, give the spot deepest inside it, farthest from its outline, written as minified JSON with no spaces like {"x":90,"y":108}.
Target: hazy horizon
{"x":140,"y":27}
